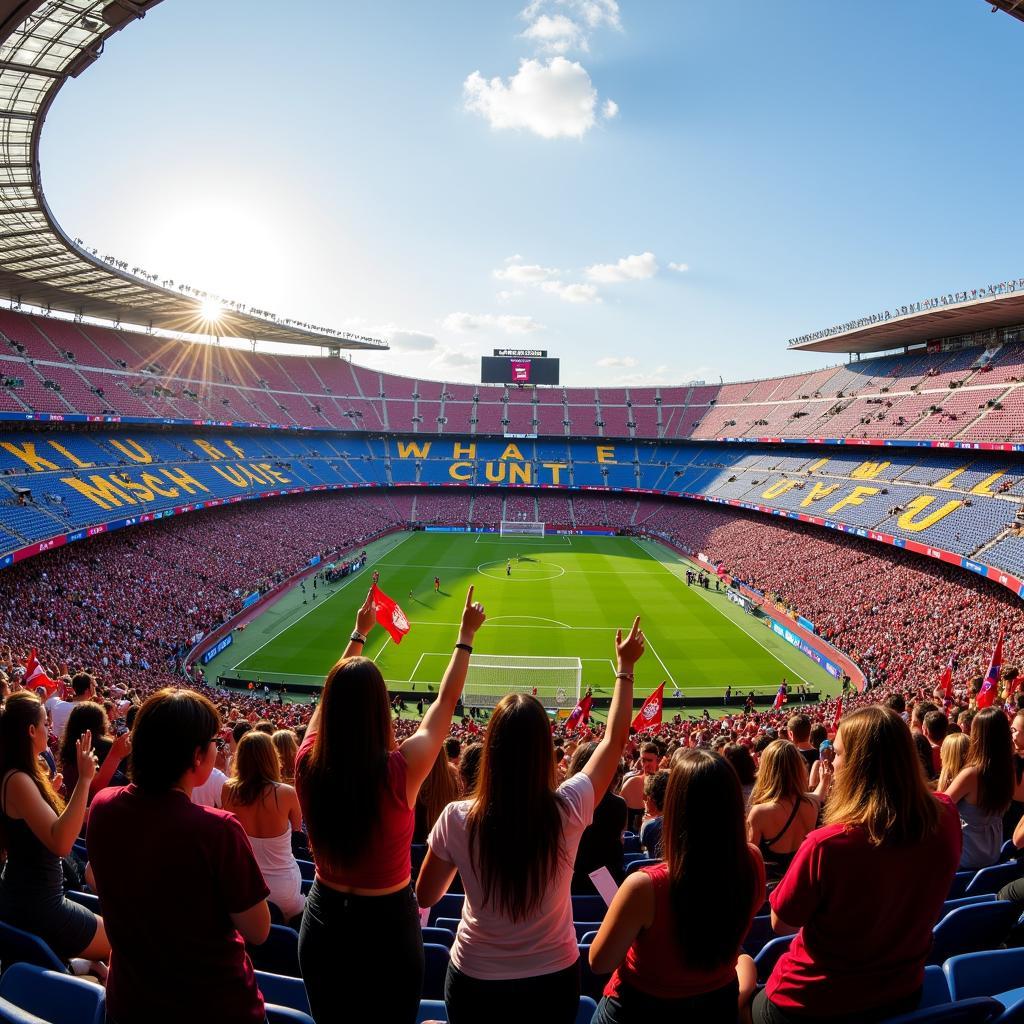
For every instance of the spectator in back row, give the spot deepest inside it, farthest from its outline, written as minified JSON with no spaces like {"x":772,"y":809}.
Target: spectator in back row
{"x":666,"y":967}
{"x":799,"y":729}
{"x":654,"y":803}
{"x":601,"y":842}
{"x":440,"y":788}
{"x":953,"y":757}
{"x":84,"y":687}
{"x":269,"y":812}
{"x":633,"y":788}
{"x":983,"y":789}
{"x":358,"y":789}
{"x":513,"y":846}
{"x":178,"y":881}
{"x":782,"y":811}
{"x":110,"y":752}
{"x":287,"y":747}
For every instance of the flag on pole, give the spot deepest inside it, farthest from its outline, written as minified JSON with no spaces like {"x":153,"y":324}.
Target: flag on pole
{"x":580,"y":714}
{"x":649,"y":716}
{"x":36,"y":677}
{"x":990,"y":688}
{"x":838,"y":715}
{"x":780,"y":697}
{"x":389,"y":615}
{"x":946,"y":682}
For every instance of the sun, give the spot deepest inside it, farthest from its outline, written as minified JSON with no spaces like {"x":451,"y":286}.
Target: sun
{"x":211,"y":311}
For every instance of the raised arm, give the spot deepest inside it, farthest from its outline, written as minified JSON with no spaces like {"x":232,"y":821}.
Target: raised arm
{"x":120,"y":749}
{"x":601,"y":766}
{"x":421,"y":748}
{"x":57,"y":832}
{"x":366,"y":618}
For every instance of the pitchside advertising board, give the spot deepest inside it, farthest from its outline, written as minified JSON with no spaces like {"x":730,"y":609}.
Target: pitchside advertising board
{"x":523,"y":366}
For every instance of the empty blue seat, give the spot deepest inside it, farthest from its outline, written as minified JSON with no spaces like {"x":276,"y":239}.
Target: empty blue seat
{"x":56,"y":997}
{"x":431,"y":1009}
{"x":588,"y":908}
{"x":965,"y":901}
{"x":970,"y":1011}
{"x":960,"y":882}
{"x":585,"y":928}
{"x":768,"y":957}
{"x":279,"y":954}
{"x":1008,"y":852}
{"x":11,"y":1014}
{"x":993,"y":879}
{"x":983,"y":974}
{"x":587,"y":938}
{"x":307,"y":869}
{"x":286,"y":1015}
{"x":968,"y":929}
{"x":935,"y":991}
{"x":760,"y":933}
{"x":591,"y":984}
{"x":436,"y":968}
{"x":442,"y":936}
{"x":21,"y":947}
{"x":449,"y":905}
{"x":644,"y":863}
{"x":283,"y":991}
{"x":586,"y":1011}
{"x":449,"y":924}
{"x":630,"y":843}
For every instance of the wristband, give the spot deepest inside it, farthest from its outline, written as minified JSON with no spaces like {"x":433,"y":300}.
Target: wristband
{"x":624,"y":675}
{"x":464,"y":647}
{"x":357,"y":637}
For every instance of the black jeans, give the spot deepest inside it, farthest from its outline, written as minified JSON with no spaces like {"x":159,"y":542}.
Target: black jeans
{"x":543,"y":999}
{"x":766,"y":1012}
{"x":370,"y":944}
{"x":718,"y":1007}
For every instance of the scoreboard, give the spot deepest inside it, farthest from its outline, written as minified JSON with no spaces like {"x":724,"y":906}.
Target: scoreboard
{"x":518,"y":366}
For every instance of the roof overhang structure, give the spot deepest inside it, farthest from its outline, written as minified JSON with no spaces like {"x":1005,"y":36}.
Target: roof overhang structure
{"x":1015,"y":8}
{"x":43,"y":43}
{"x":885,"y":332}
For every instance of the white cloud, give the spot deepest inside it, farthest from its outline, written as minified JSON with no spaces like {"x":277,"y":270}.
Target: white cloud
{"x":629,"y":268}
{"x":576,"y":293}
{"x":626,"y":361}
{"x":609,"y":110}
{"x":556,"y":34}
{"x":410,"y":341}
{"x":506,"y":322}
{"x":522,"y":273}
{"x":506,"y":295}
{"x":553,"y":100}
{"x":452,"y":359}
{"x":593,"y":13}
{"x":682,"y":268}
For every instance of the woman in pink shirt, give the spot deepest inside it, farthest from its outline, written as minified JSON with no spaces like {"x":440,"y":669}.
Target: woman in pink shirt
{"x":514,"y":844}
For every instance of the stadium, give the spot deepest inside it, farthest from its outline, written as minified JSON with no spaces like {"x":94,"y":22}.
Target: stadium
{"x":288,"y":627}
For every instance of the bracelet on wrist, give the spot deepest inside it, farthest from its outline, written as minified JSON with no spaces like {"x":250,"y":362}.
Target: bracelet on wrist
{"x":357,"y":637}
{"x":464,"y":647}
{"x":624,"y":675}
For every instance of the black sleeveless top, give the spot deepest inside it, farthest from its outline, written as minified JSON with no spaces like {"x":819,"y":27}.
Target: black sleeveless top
{"x":775,"y":863}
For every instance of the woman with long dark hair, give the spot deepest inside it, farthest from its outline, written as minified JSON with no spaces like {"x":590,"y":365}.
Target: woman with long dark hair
{"x":110,"y":751}
{"x":672,"y":934}
{"x":513,"y":844}
{"x":269,"y":812}
{"x":358,"y":790}
{"x":37,"y":829}
{"x":864,"y":892}
{"x":983,"y":789}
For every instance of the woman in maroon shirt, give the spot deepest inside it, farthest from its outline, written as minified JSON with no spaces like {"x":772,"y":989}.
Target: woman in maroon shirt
{"x":673,"y":931}
{"x":863,"y":893}
{"x":357,"y":789}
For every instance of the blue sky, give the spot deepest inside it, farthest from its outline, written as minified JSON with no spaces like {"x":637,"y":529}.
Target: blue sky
{"x":653,"y":191}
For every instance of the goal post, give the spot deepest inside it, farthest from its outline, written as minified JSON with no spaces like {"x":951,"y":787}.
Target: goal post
{"x":555,"y":682}
{"x":511,"y":528}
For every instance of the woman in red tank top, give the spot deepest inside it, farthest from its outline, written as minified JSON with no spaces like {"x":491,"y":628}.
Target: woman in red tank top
{"x":672,"y":934}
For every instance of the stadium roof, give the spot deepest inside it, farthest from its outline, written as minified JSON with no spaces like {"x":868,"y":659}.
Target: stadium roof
{"x":43,"y":43}
{"x":945,"y":317}
{"x":1012,"y":7}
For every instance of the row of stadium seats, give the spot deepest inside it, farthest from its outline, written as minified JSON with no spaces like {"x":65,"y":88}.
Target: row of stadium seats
{"x":54,"y":482}
{"x":53,"y":366}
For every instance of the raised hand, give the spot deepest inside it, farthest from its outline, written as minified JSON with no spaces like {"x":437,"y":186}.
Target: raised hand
{"x":121,"y":747}
{"x":366,"y":617}
{"x":86,"y":757}
{"x":473,"y":618}
{"x":631,"y":650}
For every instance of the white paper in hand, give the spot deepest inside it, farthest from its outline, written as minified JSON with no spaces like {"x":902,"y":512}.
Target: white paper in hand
{"x":604,"y":884}
{"x":424,"y":916}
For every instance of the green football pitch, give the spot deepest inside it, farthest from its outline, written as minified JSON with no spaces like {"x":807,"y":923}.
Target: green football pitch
{"x":565,"y":597}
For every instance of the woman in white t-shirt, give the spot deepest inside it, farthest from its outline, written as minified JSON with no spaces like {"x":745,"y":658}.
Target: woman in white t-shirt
{"x":513,"y":844}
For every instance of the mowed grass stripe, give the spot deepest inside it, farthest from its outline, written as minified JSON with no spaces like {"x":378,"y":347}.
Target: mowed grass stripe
{"x":606,"y":581}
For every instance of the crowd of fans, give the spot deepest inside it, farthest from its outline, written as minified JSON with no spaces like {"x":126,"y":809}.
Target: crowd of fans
{"x":194,"y":802}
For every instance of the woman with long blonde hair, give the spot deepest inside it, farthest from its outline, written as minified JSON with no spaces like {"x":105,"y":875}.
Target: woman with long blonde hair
{"x":287,"y":747}
{"x":864,"y":892}
{"x":953,"y":753}
{"x":782,"y":811}
{"x":268,"y":810}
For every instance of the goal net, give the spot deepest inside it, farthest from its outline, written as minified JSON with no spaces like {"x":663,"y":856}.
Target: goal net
{"x":510,"y":528}
{"x":555,"y":682}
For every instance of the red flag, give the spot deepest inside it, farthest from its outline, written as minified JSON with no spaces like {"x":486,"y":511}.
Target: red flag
{"x":780,"y":698}
{"x":472,"y":727}
{"x":946,"y":681}
{"x":389,"y":615}
{"x":837,"y":715}
{"x":580,"y":714}
{"x":35,"y":677}
{"x":990,"y":688}
{"x":649,"y":716}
